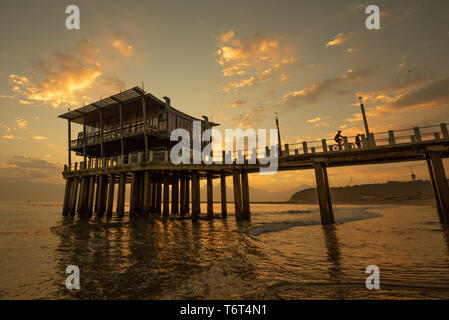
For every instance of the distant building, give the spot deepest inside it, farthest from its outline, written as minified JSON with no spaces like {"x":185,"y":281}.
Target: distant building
{"x":128,"y":122}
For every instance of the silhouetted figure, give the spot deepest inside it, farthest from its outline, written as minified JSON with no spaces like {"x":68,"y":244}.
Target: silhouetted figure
{"x":339,"y":139}
{"x":358,"y":141}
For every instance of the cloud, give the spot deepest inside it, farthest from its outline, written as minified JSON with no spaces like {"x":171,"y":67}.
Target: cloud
{"x":234,"y":104}
{"x":39,"y":138}
{"x":312,"y":93}
{"x":430,"y":95}
{"x":121,"y":45}
{"x":250,"y":118}
{"x":20,"y":168}
{"x":340,"y":38}
{"x":20,"y":123}
{"x":257,"y":56}
{"x":63,"y":79}
{"x":318,"y":122}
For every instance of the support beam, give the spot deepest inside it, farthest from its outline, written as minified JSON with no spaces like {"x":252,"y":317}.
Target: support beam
{"x":121,"y":196}
{"x":145,"y":136}
{"x":210,"y":196}
{"x":166,"y":207}
{"x":196,"y":200}
{"x":90,"y":198}
{"x":134,"y":196}
{"x":110,"y":196}
{"x":84,"y":141}
{"x":97,"y":194}
{"x":187,"y":194}
{"x":439,"y":184}
{"x":175,"y":196}
{"x":101,"y":135}
{"x":146,"y":194}
{"x":102,"y":195}
{"x":158,"y":197}
{"x":122,"y":142}
{"x":224,"y":209}
{"x":66,"y":203}
{"x":246,"y":211}
{"x":74,"y":192}
{"x":69,"y":155}
{"x":182,"y":195}
{"x":237,"y":196}
{"x":324,"y":199}
{"x":153,"y":197}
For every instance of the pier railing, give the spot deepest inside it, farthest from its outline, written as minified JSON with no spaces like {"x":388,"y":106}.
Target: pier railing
{"x":379,"y":139}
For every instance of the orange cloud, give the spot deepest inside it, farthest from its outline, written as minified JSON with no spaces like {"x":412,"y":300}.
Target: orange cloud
{"x":121,"y":45}
{"x":250,"y":118}
{"x":257,"y":56}
{"x":340,"y":38}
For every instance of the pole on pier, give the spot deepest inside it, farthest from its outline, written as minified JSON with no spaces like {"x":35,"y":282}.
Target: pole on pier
{"x":175,"y":196}
{"x":324,"y":198}
{"x":365,"y":121}
{"x":245,"y":195}
{"x":210,"y":196}
{"x":279,"y":135}
{"x":110,"y":196}
{"x":439,"y":184}
{"x":196,"y":200}
{"x":237,"y":196}
{"x":166,"y":207}
{"x":121,"y":196}
{"x":224,"y":209}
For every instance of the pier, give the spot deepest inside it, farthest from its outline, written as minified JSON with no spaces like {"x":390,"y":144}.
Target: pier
{"x":160,"y":188}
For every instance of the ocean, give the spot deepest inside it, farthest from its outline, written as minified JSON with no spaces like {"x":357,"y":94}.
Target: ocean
{"x":283,"y":253}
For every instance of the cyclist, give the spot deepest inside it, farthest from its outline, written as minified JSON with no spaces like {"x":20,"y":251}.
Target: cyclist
{"x":339,"y":139}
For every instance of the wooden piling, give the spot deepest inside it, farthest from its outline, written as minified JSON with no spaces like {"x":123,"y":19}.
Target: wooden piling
{"x":175,"y":196}
{"x":166,"y":206}
{"x":66,"y":203}
{"x":110,"y":196}
{"x":237,"y":196}
{"x":134,"y":195}
{"x":102,"y":195}
{"x":187,"y":199}
{"x":90,"y":197}
{"x":224,"y":210}
{"x":246,"y":212}
{"x":146,"y":194}
{"x":210,"y":196}
{"x":324,"y":199}
{"x":158,"y":197}
{"x":196,"y":200}
{"x":121,"y":196}
{"x":182,"y":196}
{"x":439,"y":184}
{"x":74,"y":192}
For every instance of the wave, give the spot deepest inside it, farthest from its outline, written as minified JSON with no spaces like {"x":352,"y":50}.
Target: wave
{"x":340,"y":218}
{"x":295,"y":211}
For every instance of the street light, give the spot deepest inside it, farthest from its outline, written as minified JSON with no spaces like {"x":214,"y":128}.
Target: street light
{"x":279,"y":134}
{"x":365,"y":122}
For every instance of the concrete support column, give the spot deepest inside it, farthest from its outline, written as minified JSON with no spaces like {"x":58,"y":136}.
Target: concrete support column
{"x":153,"y":196}
{"x":74,"y":193}
{"x":224,"y":209}
{"x":187,"y":182}
{"x":146,"y":194}
{"x":90,"y":197}
{"x":121,"y":196}
{"x":182,"y":196}
{"x":324,"y":198}
{"x":245,"y":195}
{"x":439,"y":184}
{"x":158,"y":197}
{"x":237,"y":196}
{"x":210,"y":196}
{"x":102,"y":195}
{"x":175,"y":196}
{"x":84,"y":196}
{"x":79,"y":208}
{"x":166,"y":205}
{"x":97,"y":194}
{"x":196,"y":200}
{"x":66,"y":203}
{"x":134,"y":196}
{"x":110,"y":196}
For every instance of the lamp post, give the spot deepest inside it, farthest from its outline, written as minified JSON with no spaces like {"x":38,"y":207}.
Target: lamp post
{"x":279,"y":134}
{"x":365,"y":122}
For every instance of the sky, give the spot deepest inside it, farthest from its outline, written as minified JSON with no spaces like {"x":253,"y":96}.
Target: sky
{"x":238,"y":62}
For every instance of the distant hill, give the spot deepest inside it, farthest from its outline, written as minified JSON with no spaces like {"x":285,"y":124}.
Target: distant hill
{"x":389,"y":192}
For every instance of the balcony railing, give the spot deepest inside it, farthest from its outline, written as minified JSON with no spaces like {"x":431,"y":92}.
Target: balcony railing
{"x":114,"y":134}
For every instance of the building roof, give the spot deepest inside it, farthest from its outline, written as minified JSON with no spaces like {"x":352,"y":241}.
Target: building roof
{"x":122,"y":97}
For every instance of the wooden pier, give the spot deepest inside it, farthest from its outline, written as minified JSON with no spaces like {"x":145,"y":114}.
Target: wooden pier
{"x":161,"y":188}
